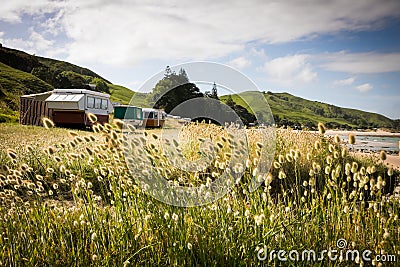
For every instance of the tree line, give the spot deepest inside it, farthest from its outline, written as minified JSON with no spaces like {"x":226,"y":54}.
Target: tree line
{"x":176,"y":88}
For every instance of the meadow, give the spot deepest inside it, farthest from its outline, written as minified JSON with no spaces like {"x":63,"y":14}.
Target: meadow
{"x":67,"y":198}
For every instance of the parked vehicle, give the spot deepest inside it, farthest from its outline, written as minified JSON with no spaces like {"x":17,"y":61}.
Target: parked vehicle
{"x":65,"y":107}
{"x":129,"y":114}
{"x":153,"y":117}
{"x":70,"y":108}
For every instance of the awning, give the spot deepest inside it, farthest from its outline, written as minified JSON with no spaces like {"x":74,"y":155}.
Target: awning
{"x":66,"y":101}
{"x":65,"y":98}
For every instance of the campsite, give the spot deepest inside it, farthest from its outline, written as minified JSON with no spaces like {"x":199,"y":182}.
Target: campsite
{"x":193,"y":133}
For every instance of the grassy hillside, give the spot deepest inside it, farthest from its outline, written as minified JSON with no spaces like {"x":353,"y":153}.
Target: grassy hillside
{"x":18,"y":59}
{"x":58,"y":74}
{"x":120,"y":94}
{"x":14,"y":83}
{"x":65,"y":66}
{"x":291,"y":110}
{"x":124,"y":95}
{"x":33,"y":64}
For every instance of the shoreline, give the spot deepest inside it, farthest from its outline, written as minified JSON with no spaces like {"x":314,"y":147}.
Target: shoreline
{"x":378,"y":133}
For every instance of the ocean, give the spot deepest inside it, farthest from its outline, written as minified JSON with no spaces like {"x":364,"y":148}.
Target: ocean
{"x":374,"y":143}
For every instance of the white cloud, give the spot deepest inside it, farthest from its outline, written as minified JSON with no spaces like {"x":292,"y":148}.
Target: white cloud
{"x":39,"y":42}
{"x":52,"y":25}
{"x":123,"y":32}
{"x":12,"y":11}
{"x":348,"y":81}
{"x":240,"y":63}
{"x":36,"y":43}
{"x":290,"y":70}
{"x":364,"y":87}
{"x":360,"y":63}
{"x":259,"y":53}
{"x":18,"y":43}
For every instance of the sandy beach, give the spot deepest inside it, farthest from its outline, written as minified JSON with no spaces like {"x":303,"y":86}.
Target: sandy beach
{"x":373,"y":142}
{"x":391,"y":160}
{"x":394,"y":161}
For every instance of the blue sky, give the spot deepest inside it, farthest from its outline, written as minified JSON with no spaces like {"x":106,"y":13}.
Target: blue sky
{"x":339,"y":52}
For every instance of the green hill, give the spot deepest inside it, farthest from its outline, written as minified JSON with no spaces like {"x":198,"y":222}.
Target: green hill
{"x":65,"y":66}
{"x":46,"y":67}
{"x":59,"y":74}
{"x":294,"y":111}
{"x":124,"y":95}
{"x":14,"y":83}
{"x":120,"y":94}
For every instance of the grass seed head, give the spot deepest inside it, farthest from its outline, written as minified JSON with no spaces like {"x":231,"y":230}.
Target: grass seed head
{"x":321,"y":128}
{"x":317,"y":145}
{"x":281,"y":174}
{"x":92,"y":118}
{"x":383,"y":155}
{"x":51,"y":150}
{"x":72,"y":133}
{"x":11,"y":153}
{"x":29,"y":148}
{"x":47,"y":123}
{"x":78,"y":139}
{"x":130,"y":127}
{"x":96,"y":128}
{"x":352,"y":139}
{"x":118,"y":123}
{"x":114,"y":135}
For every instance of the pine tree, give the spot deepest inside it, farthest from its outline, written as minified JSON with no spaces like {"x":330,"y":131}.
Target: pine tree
{"x":214,"y":92}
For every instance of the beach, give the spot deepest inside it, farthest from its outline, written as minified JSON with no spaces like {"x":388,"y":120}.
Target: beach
{"x":371,"y":142}
{"x":377,"y":133}
{"x":391,"y":159}
{"x":394,"y":161}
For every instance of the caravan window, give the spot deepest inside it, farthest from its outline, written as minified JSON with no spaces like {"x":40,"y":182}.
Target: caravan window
{"x":90,"y":102}
{"x":104,"y":104}
{"x":97,"y":103}
{"x":149,"y":115}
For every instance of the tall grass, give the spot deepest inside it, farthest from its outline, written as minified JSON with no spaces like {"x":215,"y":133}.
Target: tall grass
{"x":68,"y":198}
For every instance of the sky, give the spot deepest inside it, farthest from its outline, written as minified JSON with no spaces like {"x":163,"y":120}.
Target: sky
{"x":341,"y":52}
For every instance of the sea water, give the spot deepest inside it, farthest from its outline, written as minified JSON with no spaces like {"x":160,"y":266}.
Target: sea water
{"x":374,"y":143}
